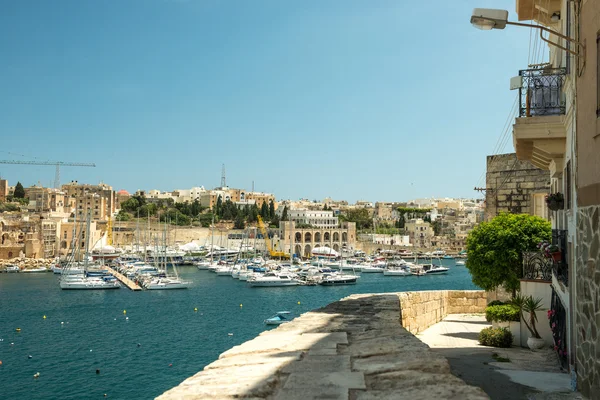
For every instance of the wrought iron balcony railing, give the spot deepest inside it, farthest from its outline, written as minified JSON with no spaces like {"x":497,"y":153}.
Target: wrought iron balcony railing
{"x":561,"y":267}
{"x":536,"y":266}
{"x":541,"y":92}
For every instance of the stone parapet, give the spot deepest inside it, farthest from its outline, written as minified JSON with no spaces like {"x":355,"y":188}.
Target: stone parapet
{"x":420,"y":310}
{"x":354,"y":348}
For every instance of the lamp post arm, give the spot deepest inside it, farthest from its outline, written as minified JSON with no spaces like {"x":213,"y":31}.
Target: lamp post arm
{"x":543,"y":28}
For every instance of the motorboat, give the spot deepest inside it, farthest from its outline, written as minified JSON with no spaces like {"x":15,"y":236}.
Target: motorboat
{"x":272,"y":279}
{"x":372,"y":269}
{"x":338,"y":279}
{"x":12,"y":268}
{"x":398,"y":270}
{"x":417,"y":270}
{"x":431,"y":269}
{"x":39,"y":269}
{"x":460,"y":262}
{"x":279,"y":318}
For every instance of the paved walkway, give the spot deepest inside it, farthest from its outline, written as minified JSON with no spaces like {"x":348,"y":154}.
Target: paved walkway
{"x":527,"y":374}
{"x":351,"y":349}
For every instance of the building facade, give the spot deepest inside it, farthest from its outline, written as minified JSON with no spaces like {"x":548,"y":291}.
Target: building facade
{"x":3,"y":189}
{"x":515,"y":186}
{"x":100,"y":199}
{"x":315,"y":218}
{"x":420,"y":232}
{"x":303,"y":241}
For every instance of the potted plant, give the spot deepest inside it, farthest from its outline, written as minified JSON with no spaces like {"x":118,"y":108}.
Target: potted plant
{"x":528,"y":305}
{"x":550,"y":251}
{"x":555,"y":201}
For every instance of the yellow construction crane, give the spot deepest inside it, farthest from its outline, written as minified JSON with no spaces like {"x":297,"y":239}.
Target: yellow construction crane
{"x":272,"y":252}
{"x":56,"y":163}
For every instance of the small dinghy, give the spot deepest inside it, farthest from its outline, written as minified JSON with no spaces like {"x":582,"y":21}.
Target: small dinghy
{"x":279,"y":318}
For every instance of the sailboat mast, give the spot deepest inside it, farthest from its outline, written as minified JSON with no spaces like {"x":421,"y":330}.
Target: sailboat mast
{"x":87,"y":238}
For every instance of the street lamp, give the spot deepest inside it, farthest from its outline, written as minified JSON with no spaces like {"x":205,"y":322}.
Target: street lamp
{"x":487,"y":19}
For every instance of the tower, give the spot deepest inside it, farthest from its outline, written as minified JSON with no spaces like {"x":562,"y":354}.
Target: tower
{"x":223,"y":181}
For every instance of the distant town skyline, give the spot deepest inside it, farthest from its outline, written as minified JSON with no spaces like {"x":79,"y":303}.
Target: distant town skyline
{"x":345,"y":99}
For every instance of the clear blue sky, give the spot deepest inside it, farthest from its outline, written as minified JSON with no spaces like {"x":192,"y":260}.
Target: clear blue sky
{"x":377,"y":100}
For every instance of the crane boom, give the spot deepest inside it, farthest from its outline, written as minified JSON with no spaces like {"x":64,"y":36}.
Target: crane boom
{"x":272,"y":252}
{"x":56,"y":163}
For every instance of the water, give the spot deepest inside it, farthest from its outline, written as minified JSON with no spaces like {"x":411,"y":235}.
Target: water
{"x":175,"y":341}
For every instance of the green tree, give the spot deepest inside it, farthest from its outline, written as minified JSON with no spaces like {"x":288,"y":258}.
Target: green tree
{"x":495,"y":249}
{"x":219,"y":206}
{"x":271,"y":209}
{"x":239,"y":222}
{"x":19,"y":191}
{"x":284,"y":214}
{"x":130,"y":205}
{"x":274,"y":223}
{"x":264,"y":210}
{"x":123,"y":216}
{"x":361,"y":216}
{"x":437,"y":227}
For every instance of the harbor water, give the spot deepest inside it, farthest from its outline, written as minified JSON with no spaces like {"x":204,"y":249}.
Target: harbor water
{"x":136,"y":345}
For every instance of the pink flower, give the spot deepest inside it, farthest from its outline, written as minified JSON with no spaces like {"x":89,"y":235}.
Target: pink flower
{"x":555,"y":348}
{"x":553,"y":325}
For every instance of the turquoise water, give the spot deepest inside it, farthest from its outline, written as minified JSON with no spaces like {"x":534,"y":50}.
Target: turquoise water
{"x":174,"y":341}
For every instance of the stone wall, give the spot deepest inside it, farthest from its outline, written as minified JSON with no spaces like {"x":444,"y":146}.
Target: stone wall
{"x":510,"y":184}
{"x":420,"y":310}
{"x":587,"y":301}
{"x":351,"y":349}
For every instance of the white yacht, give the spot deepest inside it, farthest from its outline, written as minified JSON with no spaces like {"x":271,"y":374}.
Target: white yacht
{"x":431,"y":269}
{"x":12,"y":268}
{"x":271,"y":279}
{"x":338,"y":279}
{"x":398,"y":270}
{"x":72,"y":282}
{"x":167,"y":283}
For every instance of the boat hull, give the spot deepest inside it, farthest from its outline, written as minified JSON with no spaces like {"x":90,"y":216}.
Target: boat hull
{"x":272,"y":283}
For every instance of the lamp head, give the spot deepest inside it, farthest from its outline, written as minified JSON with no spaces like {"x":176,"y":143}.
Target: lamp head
{"x":487,"y":19}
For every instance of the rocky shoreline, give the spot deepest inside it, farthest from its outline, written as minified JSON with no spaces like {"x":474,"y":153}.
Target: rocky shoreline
{"x":25,"y":264}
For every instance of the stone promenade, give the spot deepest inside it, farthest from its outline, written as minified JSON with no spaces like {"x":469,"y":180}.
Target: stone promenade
{"x":351,"y":349}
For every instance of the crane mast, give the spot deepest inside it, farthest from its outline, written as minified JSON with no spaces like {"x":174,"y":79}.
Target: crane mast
{"x":56,"y":163}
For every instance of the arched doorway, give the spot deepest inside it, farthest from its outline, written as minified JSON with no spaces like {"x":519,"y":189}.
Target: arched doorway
{"x":63,"y":244}
{"x":307,"y":252}
{"x":307,"y":237}
{"x":318,"y":237}
{"x":298,"y":237}
{"x":336,"y":237}
{"x":336,"y":247}
{"x":327,"y":236}
{"x":10,"y":254}
{"x":344,"y":236}
{"x":298,"y":250}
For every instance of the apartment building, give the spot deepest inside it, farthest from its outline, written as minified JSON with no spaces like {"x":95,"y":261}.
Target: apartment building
{"x":100,"y":199}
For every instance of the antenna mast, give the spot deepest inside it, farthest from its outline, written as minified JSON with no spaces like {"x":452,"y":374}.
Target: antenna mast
{"x":223,"y":181}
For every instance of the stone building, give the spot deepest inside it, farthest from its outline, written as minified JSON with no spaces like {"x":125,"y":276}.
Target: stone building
{"x":45,"y":200}
{"x":303,"y":241}
{"x":3,"y":189}
{"x":20,"y":236}
{"x":98,"y":198}
{"x":584,"y":205}
{"x":515,"y":186}
{"x":420,"y":232}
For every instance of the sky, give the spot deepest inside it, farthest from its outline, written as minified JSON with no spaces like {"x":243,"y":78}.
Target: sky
{"x":374,"y":100}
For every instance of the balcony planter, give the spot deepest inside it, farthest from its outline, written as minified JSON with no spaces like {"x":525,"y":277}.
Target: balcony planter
{"x":555,"y":201}
{"x":557,"y":256}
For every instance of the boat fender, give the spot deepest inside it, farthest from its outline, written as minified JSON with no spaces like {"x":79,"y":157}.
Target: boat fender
{"x":36,"y":375}
{"x":298,"y":303}
{"x":90,"y":350}
{"x":62,"y":323}
{"x":0,"y":362}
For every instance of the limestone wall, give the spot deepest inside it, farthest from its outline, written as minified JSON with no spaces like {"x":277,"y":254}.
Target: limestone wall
{"x":511,"y":184}
{"x":420,"y":310}
{"x":354,"y":348}
{"x":587,"y":300}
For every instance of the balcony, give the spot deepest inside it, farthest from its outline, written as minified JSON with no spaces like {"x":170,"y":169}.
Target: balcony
{"x":560,"y":268}
{"x":537,"y":10}
{"x":539,"y":133}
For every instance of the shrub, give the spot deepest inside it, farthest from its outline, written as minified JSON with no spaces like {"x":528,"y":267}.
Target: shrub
{"x":496,"y":337}
{"x":495,"y":303}
{"x":503,"y":313}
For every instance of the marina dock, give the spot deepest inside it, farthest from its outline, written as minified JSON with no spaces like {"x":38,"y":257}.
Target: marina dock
{"x":124,"y":280}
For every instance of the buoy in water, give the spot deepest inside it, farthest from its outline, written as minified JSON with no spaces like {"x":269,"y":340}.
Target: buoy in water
{"x":241,"y":305}
{"x":170,"y":365}
{"x":90,"y":350}
{"x":36,"y":375}
{"x":195,"y":308}
{"x":0,"y":362}
{"x":298,"y":303}
{"x":230,"y":334}
{"x":126,"y":318}
{"x":97,"y":372}
{"x":62,"y":323}
{"x":124,"y":311}
{"x":18,"y":329}
{"x":44,"y":317}
{"x":30,"y":356}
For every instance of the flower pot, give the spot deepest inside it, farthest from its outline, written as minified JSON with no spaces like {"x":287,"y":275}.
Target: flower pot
{"x":556,"y":205}
{"x":535,"y":343}
{"x":556,"y":256}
